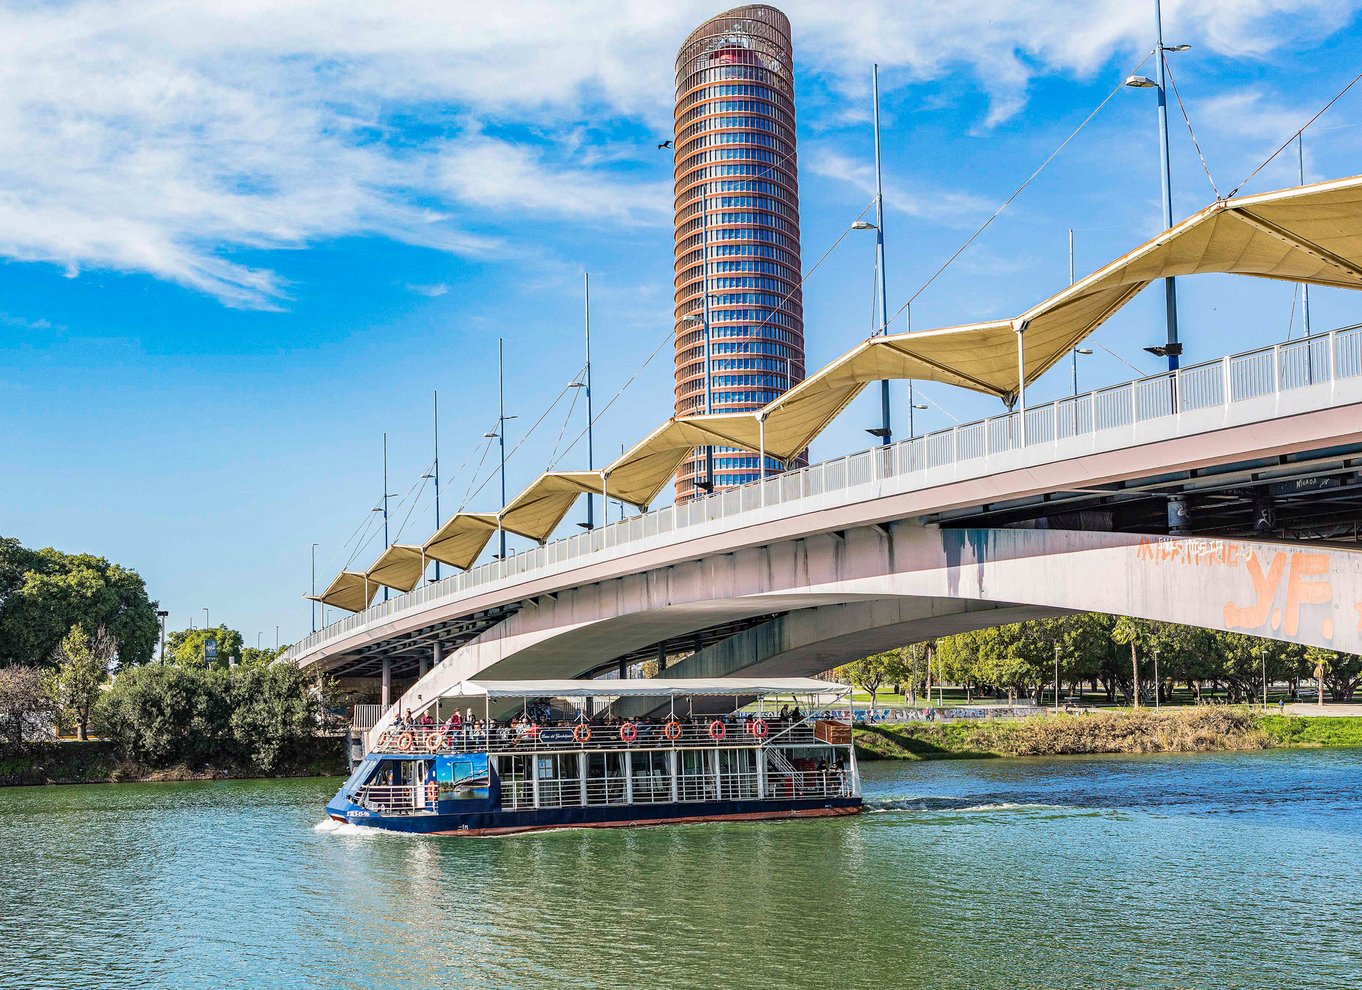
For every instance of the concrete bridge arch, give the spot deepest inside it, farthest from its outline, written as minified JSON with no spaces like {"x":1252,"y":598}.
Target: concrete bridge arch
{"x":852,"y":592}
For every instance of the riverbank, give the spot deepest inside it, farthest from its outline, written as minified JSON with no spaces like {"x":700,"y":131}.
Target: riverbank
{"x":1179,"y":730}
{"x":99,"y":763}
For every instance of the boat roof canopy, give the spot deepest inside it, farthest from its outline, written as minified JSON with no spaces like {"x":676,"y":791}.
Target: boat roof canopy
{"x":655,"y":687}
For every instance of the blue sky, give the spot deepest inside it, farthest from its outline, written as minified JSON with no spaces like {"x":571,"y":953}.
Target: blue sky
{"x":241,"y":242}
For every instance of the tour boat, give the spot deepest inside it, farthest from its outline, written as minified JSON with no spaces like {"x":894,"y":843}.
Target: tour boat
{"x":597,"y":753}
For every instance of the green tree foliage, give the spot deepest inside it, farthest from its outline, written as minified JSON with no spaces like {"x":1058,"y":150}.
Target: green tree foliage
{"x":1341,"y":672}
{"x":275,"y":709}
{"x":1092,"y":647}
{"x":166,"y":715}
{"x":873,"y":672}
{"x":185,"y":646}
{"x":44,"y":593}
{"x":26,"y":706}
{"x":82,"y":663}
{"x":252,"y":657}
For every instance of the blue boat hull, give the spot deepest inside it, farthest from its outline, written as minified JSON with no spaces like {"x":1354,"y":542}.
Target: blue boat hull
{"x":494,"y":821}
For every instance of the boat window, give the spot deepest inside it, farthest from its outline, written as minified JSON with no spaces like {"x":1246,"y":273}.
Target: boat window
{"x":463,"y":777}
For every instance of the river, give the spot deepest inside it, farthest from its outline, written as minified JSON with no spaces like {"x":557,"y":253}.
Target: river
{"x":1226,"y":870}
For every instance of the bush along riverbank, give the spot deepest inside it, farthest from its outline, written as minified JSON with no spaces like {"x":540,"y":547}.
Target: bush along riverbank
{"x":100,"y":762}
{"x":167,"y":722}
{"x":1178,"y":730}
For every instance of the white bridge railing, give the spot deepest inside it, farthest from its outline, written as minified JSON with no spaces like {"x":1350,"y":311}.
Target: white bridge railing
{"x":1238,"y":378}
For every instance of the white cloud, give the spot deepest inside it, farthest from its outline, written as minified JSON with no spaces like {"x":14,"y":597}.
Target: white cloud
{"x":952,"y":208}
{"x":429,"y":291}
{"x":171,"y":137}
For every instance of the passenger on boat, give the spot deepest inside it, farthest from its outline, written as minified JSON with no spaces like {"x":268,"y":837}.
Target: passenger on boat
{"x":427,"y":719}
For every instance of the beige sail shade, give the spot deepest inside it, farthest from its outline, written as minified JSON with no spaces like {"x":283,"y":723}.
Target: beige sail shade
{"x":1310,"y":234}
{"x":400,"y":566}
{"x":461,"y":538}
{"x":537,"y":511}
{"x":350,"y":590}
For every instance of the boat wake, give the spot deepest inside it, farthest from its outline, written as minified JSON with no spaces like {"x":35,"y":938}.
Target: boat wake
{"x":963,"y":805}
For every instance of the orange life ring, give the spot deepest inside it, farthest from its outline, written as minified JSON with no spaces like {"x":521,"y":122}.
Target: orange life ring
{"x":582,"y":732}
{"x":672,"y":730}
{"x":717,"y":730}
{"x":757,"y":727}
{"x":628,"y":731}
{"x":436,"y":741}
{"x":405,"y":742}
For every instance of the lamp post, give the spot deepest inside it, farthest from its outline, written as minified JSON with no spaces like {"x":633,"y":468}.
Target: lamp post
{"x":708,"y":484}
{"x":585,"y":383}
{"x":1173,"y":348}
{"x":206,"y":623}
{"x":435,"y":422}
{"x":1305,"y":286}
{"x":1158,"y":684}
{"x":886,"y":432}
{"x":1056,"y":677}
{"x":313,"y":599}
{"x":499,"y":434}
{"x":162,"y":614}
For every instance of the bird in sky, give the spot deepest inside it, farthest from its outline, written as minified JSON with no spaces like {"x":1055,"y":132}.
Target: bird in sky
{"x":665,"y":144}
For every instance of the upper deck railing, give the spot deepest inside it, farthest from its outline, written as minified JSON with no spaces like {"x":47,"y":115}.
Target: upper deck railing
{"x":586,"y":737}
{"x":1226,"y":382}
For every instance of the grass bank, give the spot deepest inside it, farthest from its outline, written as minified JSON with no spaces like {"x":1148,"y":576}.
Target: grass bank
{"x":1185,"y":730}
{"x":99,"y":763}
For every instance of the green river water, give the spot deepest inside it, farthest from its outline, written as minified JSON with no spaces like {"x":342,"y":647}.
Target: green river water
{"x":1233,"y":870}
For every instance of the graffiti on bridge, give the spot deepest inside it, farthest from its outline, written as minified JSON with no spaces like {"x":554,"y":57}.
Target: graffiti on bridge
{"x":1287,"y":586}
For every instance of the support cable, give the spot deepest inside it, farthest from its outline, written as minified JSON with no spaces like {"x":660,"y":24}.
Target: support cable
{"x":1020,"y":189}
{"x":1295,"y":134}
{"x":1188,"y":121}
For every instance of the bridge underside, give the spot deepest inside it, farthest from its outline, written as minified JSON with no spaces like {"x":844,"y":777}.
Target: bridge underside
{"x":849,"y":593}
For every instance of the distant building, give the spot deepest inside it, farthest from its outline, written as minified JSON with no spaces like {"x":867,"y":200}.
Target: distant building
{"x":736,"y":191}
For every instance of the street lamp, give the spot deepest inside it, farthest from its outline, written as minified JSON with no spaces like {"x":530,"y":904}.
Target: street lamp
{"x":206,"y":623}
{"x":708,"y":484}
{"x":1158,"y":685}
{"x":884,"y":431}
{"x":1086,"y":352}
{"x":313,"y":600}
{"x":1173,"y":348}
{"x":1056,"y":677}
{"x":162,"y":614}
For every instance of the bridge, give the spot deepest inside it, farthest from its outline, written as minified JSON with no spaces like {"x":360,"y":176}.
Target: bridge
{"x":1224,"y":495}
{"x":955,"y":530}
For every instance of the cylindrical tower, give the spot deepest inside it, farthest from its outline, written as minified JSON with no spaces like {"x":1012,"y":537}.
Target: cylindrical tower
{"x":737,"y":230}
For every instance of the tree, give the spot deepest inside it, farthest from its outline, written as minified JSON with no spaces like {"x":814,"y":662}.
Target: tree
{"x":869,"y":673}
{"x":82,"y":666}
{"x":44,"y":593}
{"x":251,"y":657}
{"x":186,"y":646}
{"x":260,"y":716}
{"x":165,"y":715}
{"x":275,"y":709}
{"x":1341,"y":672}
{"x":26,"y":706}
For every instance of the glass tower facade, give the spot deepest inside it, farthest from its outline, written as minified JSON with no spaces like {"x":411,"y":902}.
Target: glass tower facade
{"x":737,"y":231}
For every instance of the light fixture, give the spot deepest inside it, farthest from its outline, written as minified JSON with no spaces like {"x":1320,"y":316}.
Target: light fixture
{"x":1165,"y":350}
{"x":919,"y":405}
{"x":1177,"y":48}
{"x":863,"y":225}
{"x":1083,"y":350}
{"x":1141,"y":82}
